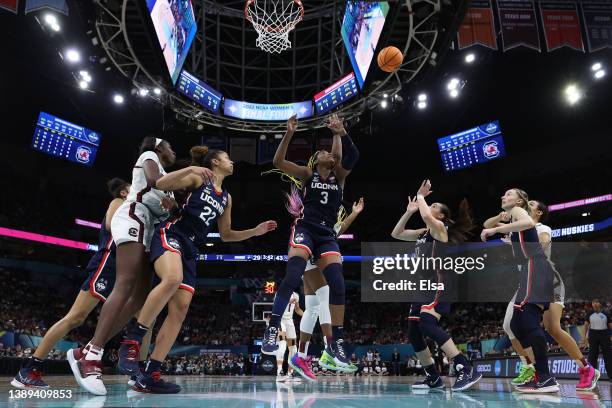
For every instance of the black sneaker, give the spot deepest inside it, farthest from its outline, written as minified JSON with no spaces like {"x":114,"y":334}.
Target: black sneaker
{"x":152,"y":383}
{"x":429,"y":383}
{"x":29,"y":377}
{"x":466,"y":378}
{"x":539,"y":385}
{"x":269,"y":345}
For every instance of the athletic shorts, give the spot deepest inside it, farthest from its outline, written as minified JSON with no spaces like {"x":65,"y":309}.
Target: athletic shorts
{"x":317,"y":241}
{"x":536,"y":283}
{"x":288,"y":327}
{"x":133,"y":222}
{"x":163,"y":241}
{"x":310,"y":265}
{"x":442,"y":308}
{"x":558,"y":290}
{"x":101,"y":275}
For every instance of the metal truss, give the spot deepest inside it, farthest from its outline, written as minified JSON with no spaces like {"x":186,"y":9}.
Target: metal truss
{"x":224,"y":55}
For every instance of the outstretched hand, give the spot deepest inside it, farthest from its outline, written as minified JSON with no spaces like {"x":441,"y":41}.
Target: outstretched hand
{"x":265,"y":227}
{"x":292,"y":124}
{"x":358,"y":206}
{"x":413,"y":205}
{"x":425,"y":188}
{"x":336,"y":125}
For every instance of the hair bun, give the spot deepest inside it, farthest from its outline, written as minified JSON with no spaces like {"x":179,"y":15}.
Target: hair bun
{"x":198,"y":153}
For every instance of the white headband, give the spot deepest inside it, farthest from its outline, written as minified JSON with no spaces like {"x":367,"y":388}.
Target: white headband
{"x":158,"y":141}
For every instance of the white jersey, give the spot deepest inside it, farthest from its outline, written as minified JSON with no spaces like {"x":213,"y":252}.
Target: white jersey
{"x":544,"y":229}
{"x":141,"y":192}
{"x":288,"y":314}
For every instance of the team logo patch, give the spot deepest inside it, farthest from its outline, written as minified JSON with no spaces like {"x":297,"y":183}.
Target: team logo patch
{"x":491,"y":127}
{"x":299,"y":238}
{"x":133,"y":232}
{"x":174,"y":244}
{"x":490,"y":149}
{"x":101,"y":285}
{"x":83,"y":154}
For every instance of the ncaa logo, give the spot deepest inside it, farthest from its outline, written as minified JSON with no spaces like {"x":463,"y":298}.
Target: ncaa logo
{"x":491,"y":127}
{"x":133,"y":232}
{"x":299,"y":238}
{"x":93,"y":137}
{"x":267,"y":365}
{"x":490,"y":150}
{"x":497,"y":368}
{"x":83,"y":153}
{"x":174,"y":244}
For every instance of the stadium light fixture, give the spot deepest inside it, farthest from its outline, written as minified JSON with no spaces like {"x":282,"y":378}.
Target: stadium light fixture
{"x":596,"y":66}
{"x":454,"y":93}
{"x":143,"y":92}
{"x":572,"y":94}
{"x":83,"y":84}
{"x":452,"y":84}
{"x":73,"y":55}
{"x":469,"y":58}
{"x":384,"y":104}
{"x":157,"y":91}
{"x":422,"y":97}
{"x":422,"y":105}
{"x":599,"y":74}
{"x":118,"y":99}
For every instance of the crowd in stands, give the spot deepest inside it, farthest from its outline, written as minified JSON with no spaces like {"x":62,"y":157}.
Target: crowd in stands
{"x":214,"y":321}
{"x":208,"y":364}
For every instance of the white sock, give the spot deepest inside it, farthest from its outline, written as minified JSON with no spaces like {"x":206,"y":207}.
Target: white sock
{"x":95,"y":353}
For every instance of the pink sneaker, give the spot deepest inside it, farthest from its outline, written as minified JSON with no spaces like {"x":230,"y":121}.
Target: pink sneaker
{"x":588,"y":378}
{"x":301,"y":366}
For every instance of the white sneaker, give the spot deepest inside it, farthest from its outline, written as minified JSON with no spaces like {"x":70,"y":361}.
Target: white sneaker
{"x":281,"y":378}
{"x":87,"y":373}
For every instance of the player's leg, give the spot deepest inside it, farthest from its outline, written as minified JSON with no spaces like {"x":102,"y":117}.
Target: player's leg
{"x":552,"y":323}
{"x":429,"y":324}
{"x":301,"y":362}
{"x":299,"y":253}
{"x":527,"y":370}
{"x":168,"y":264}
{"x":432,"y":375}
{"x":150,"y":381}
{"x":30,"y":375}
{"x":280,"y":354}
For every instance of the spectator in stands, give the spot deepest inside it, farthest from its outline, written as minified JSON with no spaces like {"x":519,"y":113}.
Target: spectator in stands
{"x":396,"y":359}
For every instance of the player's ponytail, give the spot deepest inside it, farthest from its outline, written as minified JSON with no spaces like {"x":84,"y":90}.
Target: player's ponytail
{"x":116,"y":186}
{"x":198,"y":154}
{"x":294,"y":203}
{"x":460,"y":228}
{"x":312,"y":162}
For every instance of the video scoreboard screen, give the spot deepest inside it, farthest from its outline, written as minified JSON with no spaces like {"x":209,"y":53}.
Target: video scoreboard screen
{"x":473,"y":146}
{"x":267,"y":111}
{"x":60,"y":138}
{"x":336,"y":94}
{"x":199,"y":92}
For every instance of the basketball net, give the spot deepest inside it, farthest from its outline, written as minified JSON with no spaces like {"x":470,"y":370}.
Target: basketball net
{"x":273,"y":20}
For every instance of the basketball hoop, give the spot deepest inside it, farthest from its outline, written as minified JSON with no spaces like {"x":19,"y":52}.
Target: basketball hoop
{"x":273,"y":20}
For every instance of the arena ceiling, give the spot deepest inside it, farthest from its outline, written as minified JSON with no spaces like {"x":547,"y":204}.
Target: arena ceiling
{"x":225,"y":56}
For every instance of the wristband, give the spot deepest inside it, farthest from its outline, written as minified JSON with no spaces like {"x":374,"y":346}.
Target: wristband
{"x":420,"y":196}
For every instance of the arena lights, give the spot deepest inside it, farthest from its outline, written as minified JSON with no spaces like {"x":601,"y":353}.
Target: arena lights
{"x":469,"y":58}
{"x":51,"y":21}
{"x":157,"y":91}
{"x":83,"y":84}
{"x":384,"y":104}
{"x":454,"y":93}
{"x":572,"y":94}
{"x":118,"y":99}
{"x":422,"y":101}
{"x":454,"y":86}
{"x":585,"y":214}
{"x":143,"y":92}
{"x":596,"y":66}
{"x":599,"y":74}
{"x":85,"y":76}
{"x":72,"y":55}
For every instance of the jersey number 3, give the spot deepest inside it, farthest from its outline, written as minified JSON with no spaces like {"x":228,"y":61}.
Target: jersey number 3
{"x":207,"y":215}
{"x":324,"y":195}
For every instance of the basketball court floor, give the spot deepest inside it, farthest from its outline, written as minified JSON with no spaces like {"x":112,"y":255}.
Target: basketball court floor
{"x":328,"y":392}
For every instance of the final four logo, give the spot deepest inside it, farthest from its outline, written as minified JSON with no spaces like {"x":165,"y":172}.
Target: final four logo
{"x":299,"y":238}
{"x":101,"y":285}
{"x":492,"y":127}
{"x":490,"y":149}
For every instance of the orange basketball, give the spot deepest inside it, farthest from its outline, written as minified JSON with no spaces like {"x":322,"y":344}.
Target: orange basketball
{"x":390,"y":58}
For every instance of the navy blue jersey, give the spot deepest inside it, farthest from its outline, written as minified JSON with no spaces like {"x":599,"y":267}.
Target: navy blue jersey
{"x":200,"y":213}
{"x":322,"y":199}
{"x":105,"y":239}
{"x":524,"y":243}
{"x":427,"y":246}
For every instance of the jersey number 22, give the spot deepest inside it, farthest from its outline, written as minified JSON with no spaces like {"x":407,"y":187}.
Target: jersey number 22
{"x":207,"y":215}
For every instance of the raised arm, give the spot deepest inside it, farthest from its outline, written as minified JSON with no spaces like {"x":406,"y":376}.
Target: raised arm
{"x":190,"y":177}
{"x":522,"y":221}
{"x":400,"y":232}
{"x":357,"y":209}
{"x":110,"y":211}
{"x":436,"y":227}
{"x":343,"y":149}
{"x":279,"y":161}
{"x":229,"y":235}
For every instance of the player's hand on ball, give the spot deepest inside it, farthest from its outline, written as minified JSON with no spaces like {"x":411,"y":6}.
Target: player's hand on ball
{"x":425,"y":188}
{"x":358,"y":206}
{"x":486,"y":233}
{"x":292,"y":123}
{"x":413,"y":204}
{"x":265,"y":227}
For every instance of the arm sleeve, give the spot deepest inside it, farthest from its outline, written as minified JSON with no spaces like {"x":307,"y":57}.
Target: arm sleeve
{"x":350,"y":153}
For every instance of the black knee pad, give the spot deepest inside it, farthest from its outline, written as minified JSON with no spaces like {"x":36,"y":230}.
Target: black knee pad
{"x":335,"y":281}
{"x":416,"y":336}
{"x":430,"y":328}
